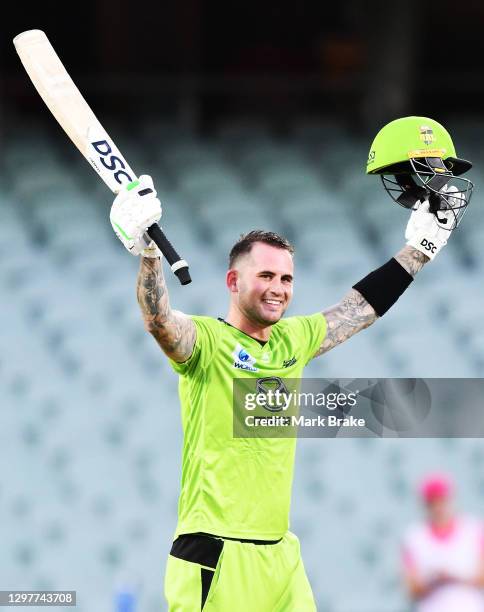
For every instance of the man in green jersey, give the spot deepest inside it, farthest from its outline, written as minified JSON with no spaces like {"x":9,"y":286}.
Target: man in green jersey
{"x":232,"y":550}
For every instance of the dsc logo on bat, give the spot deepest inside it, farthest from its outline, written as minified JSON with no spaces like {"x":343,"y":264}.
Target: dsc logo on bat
{"x":113,"y":163}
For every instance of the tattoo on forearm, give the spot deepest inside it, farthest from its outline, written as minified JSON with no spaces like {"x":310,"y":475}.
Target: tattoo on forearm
{"x":174,"y":331}
{"x":345,"y":319}
{"x":411,"y":259}
{"x":151,"y":289}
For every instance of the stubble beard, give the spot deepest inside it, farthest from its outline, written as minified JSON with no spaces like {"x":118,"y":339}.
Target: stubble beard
{"x":255,"y":315}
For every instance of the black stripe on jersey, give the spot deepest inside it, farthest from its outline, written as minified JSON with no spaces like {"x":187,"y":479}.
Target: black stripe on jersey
{"x":199,"y":549}
{"x":207,"y":577}
{"x":261,"y":342}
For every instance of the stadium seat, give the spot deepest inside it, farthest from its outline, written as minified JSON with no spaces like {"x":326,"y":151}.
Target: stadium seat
{"x":90,"y":414}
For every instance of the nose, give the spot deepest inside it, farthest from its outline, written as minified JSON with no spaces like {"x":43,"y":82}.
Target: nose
{"x":277,"y":288}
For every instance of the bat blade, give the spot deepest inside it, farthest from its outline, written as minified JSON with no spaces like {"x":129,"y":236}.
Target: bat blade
{"x":66,"y":103}
{"x":75,"y":116}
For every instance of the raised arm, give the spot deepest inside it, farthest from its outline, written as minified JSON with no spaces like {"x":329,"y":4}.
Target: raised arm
{"x":411,"y":259}
{"x":345,"y":319}
{"x":174,"y":331}
{"x":354,"y":313}
{"x":136,"y":208}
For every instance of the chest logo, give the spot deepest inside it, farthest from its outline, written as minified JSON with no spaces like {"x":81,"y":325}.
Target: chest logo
{"x":243,"y":360}
{"x":287,"y":363}
{"x":275,"y":391}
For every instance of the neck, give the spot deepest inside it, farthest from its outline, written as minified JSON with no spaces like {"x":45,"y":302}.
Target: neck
{"x":443,"y":528}
{"x":442,"y":523}
{"x":255,"y":329}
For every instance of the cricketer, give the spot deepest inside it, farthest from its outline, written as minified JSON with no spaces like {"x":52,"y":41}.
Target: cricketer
{"x":232,"y":548}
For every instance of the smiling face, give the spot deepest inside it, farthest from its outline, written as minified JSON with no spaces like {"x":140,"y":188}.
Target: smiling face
{"x":261,"y":284}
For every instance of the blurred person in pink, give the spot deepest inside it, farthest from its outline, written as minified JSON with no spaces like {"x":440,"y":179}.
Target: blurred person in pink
{"x":443,"y":557}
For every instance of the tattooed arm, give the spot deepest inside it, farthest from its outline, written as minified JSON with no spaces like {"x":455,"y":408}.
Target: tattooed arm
{"x":354,"y":313}
{"x":173,"y":330}
{"x":345,"y":319}
{"x":411,"y":259}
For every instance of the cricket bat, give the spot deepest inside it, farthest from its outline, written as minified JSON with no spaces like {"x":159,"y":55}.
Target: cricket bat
{"x":66,"y":103}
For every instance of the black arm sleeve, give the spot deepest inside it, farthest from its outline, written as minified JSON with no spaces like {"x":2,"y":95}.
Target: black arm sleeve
{"x":382,"y":287}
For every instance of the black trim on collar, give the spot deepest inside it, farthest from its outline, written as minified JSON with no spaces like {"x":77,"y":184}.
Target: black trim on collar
{"x":261,"y":342}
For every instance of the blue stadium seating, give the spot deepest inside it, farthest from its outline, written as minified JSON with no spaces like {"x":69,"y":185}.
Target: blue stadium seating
{"x":90,"y":428}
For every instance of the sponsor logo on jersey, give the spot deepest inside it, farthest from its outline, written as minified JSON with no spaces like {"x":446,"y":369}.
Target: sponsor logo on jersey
{"x":287,"y":363}
{"x":243,"y":360}
{"x":275,"y":391}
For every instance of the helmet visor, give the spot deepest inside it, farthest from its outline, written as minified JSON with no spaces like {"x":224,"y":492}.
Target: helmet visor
{"x":430,"y":178}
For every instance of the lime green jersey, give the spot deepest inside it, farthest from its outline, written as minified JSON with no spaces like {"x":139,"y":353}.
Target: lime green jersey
{"x":237,"y":487}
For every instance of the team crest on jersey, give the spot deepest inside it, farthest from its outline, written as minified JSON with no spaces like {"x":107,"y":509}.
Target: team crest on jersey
{"x":243,"y":360}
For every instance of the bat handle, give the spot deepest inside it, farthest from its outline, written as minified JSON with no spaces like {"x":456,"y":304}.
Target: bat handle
{"x":178,"y":265}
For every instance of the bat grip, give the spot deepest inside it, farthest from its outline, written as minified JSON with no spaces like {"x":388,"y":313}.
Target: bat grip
{"x":178,"y":265}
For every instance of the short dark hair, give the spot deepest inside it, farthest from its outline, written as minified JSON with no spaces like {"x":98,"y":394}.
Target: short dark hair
{"x":245,"y":242}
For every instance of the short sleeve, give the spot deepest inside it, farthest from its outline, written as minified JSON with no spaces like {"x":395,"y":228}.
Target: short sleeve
{"x":208,"y":334}
{"x":313,"y":331}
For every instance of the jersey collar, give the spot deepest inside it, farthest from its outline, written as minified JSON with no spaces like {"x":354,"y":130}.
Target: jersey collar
{"x":261,"y":342}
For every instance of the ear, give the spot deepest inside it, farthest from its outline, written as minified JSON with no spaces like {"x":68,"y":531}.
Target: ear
{"x":231,"y":280}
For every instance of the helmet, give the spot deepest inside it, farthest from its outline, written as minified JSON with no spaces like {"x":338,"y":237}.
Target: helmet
{"x":412,"y":138}
{"x":419,"y":155}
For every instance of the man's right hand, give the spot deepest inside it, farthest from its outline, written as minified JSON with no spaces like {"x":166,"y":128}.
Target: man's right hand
{"x":134,"y":210}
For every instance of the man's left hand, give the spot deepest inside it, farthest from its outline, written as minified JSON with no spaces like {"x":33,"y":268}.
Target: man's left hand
{"x":428,"y":232}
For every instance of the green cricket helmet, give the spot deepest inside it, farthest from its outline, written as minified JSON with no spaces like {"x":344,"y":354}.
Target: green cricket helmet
{"x":416,"y":160}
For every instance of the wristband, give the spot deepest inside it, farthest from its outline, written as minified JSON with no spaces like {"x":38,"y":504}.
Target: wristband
{"x":382,"y":287}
